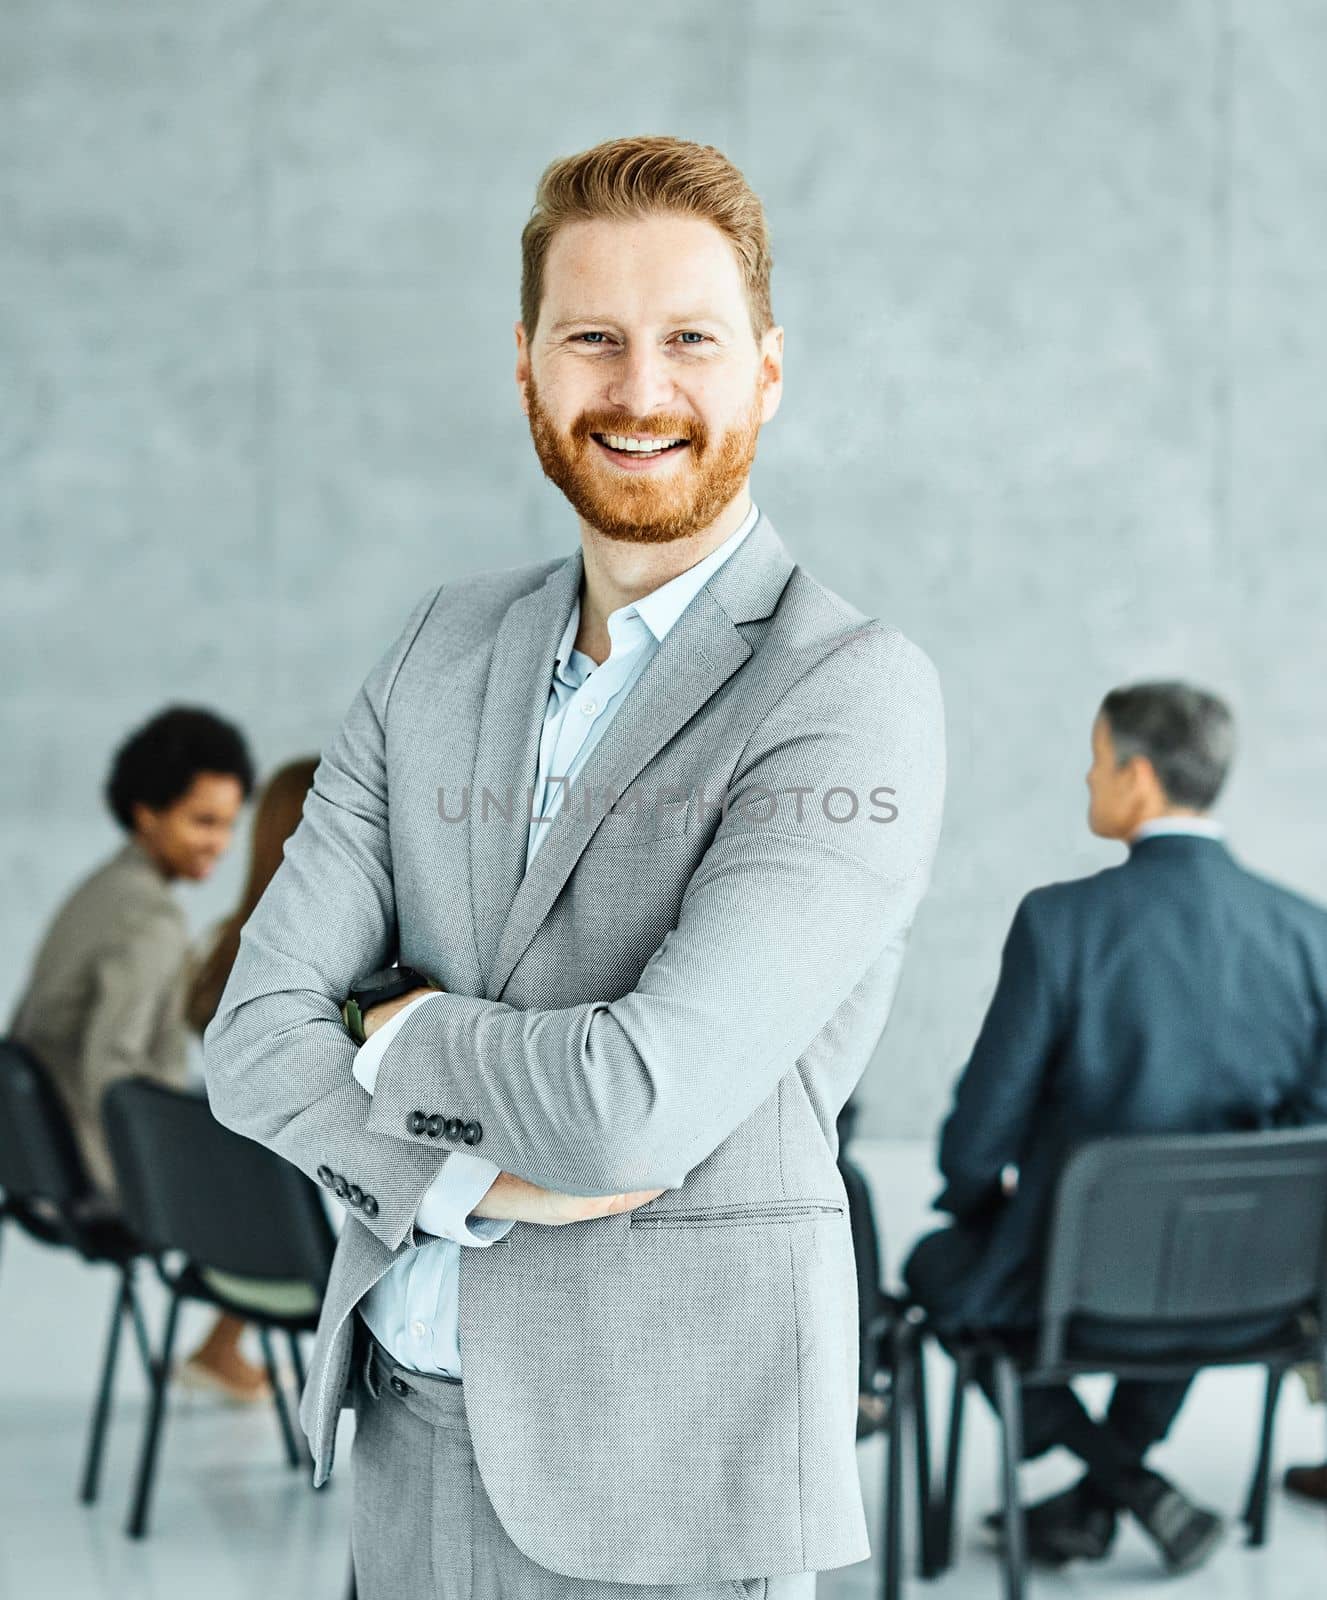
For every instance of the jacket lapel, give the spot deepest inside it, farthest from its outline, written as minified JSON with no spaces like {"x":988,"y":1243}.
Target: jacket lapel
{"x":507,"y":750}
{"x":699,"y":654}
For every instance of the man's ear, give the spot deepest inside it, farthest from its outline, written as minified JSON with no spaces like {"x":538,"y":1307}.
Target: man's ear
{"x":1143,"y":777}
{"x":771,"y":372}
{"x":522,"y":367}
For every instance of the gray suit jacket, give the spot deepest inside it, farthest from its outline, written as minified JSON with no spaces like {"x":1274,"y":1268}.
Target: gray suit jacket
{"x":666,"y":1396}
{"x":105,"y":998}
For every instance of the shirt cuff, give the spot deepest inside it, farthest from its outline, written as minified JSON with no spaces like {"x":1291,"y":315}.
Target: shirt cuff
{"x":369,"y":1056}
{"x":445,"y":1209}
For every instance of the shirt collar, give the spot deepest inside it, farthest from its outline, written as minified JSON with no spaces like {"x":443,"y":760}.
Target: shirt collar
{"x":1201,"y":827}
{"x":660,"y":609}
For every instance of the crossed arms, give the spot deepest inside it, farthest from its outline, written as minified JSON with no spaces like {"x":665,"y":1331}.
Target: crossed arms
{"x":777,"y":926}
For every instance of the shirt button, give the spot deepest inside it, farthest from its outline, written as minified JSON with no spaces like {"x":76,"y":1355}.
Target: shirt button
{"x":418,"y":1330}
{"x":589,"y":707}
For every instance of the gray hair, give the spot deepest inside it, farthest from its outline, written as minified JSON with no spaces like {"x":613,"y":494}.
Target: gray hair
{"x":1187,"y":734}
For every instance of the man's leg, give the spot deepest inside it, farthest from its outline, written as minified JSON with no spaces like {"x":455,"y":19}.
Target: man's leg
{"x":937,"y":1269}
{"x":1081,"y":1521}
{"x":399,"y":1463}
{"x":1141,"y":1414}
{"x":422,"y":1524}
{"x":1114,"y":1451}
{"x":935,"y":1274}
{"x":1056,"y":1416}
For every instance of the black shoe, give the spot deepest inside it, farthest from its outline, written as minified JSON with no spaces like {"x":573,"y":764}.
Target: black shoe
{"x":1184,"y":1533}
{"x":1076,"y":1525}
{"x":1310,"y":1482}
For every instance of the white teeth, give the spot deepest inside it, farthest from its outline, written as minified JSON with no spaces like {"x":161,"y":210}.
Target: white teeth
{"x":639,"y":447}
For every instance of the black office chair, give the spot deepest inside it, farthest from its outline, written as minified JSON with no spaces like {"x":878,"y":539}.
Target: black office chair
{"x":194,"y":1189}
{"x":1157,"y":1231}
{"x":47,"y":1193}
{"x":890,"y":1367}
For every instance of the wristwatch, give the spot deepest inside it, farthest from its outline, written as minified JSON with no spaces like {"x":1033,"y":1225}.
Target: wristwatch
{"x":387,"y":983}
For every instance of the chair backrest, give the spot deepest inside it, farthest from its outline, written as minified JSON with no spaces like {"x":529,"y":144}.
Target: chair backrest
{"x":866,"y":1257}
{"x":1207,"y":1228}
{"x":187,"y":1183}
{"x":39,"y":1155}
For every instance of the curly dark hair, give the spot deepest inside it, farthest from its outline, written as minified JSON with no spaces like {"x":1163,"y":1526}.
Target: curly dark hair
{"x":157,"y":764}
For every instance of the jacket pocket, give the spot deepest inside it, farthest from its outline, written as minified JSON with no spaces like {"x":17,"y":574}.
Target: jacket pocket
{"x":736,"y":1215}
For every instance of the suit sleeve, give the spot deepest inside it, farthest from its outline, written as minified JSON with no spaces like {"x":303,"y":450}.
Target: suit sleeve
{"x":465,"y":1178}
{"x":1000,"y":1092}
{"x":780,"y":922}
{"x":276,"y":1056}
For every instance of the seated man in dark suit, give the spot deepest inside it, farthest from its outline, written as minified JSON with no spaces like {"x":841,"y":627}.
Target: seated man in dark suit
{"x":1174,"y":993}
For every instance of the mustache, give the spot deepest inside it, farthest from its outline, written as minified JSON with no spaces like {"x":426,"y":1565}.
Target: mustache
{"x":664,"y":425}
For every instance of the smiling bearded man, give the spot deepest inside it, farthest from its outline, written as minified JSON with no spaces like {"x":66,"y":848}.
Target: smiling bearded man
{"x":647,"y":1021}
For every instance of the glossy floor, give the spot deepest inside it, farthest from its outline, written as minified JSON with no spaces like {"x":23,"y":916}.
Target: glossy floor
{"x":231,"y":1520}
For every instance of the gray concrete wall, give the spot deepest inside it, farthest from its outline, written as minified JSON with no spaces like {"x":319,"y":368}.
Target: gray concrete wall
{"x":1051,"y":273}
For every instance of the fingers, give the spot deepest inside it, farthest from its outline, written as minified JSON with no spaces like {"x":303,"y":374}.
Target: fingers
{"x":639,"y":1197}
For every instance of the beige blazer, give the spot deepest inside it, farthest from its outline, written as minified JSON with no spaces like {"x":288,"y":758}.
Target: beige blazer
{"x":105,"y":996}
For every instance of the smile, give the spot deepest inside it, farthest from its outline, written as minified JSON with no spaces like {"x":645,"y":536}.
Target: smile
{"x":624,"y":448}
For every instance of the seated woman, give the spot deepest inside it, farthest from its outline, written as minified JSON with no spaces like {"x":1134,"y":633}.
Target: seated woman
{"x":105,"y":997}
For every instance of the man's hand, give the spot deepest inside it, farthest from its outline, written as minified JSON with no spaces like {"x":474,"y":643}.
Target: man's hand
{"x":510,"y":1198}
{"x":513,"y":1198}
{"x":375,"y":1016}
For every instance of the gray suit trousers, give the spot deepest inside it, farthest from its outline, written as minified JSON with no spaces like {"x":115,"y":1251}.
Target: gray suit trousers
{"x":422,"y":1525}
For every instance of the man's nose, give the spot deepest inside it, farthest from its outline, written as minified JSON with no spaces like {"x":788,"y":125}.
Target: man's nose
{"x":641,"y":382}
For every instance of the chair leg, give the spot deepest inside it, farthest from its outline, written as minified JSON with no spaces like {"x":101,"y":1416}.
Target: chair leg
{"x":297,"y":1361}
{"x":278,"y":1398}
{"x":141,"y":1336}
{"x":891,"y":1553}
{"x":102,"y":1408}
{"x":946,"y":1513}
{"x":1010,"y":1403}
{"x":926,"y":1565}
{"x":147,"y":1459}
{"x":1255,"y":1512}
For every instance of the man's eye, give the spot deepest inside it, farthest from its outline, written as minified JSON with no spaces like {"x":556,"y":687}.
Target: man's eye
{"x":690,"y":336}
{"x":591,"y":336}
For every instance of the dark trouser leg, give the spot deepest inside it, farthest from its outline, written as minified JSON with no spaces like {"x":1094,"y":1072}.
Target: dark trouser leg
{"x":1141,"y":1414}
{"x":935,"y":1273}
{"x":1112,"y":1450}
{"x":1056,"y":1416}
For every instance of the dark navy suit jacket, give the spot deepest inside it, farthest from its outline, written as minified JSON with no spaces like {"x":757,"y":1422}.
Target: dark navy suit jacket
{"x":1174,"y":993}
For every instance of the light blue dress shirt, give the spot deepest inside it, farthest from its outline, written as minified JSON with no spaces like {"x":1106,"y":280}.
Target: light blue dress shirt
{"x":412,"y":1309}
{"x":1200,"y":827}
